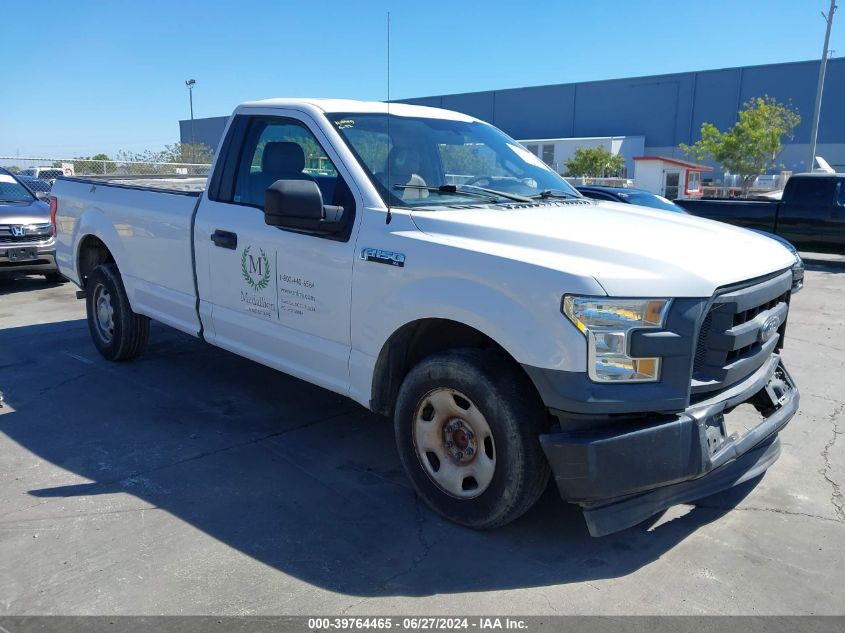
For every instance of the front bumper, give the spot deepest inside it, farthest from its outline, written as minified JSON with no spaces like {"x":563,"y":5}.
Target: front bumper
{"x":45,"y":261}
{"x":626,"y":473}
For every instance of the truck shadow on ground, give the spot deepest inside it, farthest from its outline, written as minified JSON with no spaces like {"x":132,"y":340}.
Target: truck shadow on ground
{"x":291,"y":475}
{"x":12,"y":283}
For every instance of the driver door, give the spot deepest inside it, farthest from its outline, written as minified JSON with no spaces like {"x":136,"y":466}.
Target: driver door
{"x":277,"y":296}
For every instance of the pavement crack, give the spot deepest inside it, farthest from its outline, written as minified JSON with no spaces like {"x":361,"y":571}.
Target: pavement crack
{"x":61,"y":517}
{"x":424,"y":544}
{"x":773,"y":510}
{"x":416,"y":562}
{"x":836,"y":497}
{"x":61,"y":383}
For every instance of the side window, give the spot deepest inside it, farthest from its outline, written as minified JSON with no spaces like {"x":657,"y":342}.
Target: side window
{"x":283,"y":149}
{"x":812,"y":190}
{"x":549,"y":155}
{"x":840,"y":193}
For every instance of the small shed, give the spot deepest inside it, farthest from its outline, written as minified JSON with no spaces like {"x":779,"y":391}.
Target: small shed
{"x":669,"y":177}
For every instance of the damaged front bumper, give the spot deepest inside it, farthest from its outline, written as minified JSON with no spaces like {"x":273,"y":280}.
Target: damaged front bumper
{"x":626,"y":473}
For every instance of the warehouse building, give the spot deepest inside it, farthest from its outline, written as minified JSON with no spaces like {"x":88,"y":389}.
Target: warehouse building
{"x":665,"y":110}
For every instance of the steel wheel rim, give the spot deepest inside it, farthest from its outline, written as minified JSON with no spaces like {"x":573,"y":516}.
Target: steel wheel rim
{"x":454,"y":443}
{"x":103,"y":313}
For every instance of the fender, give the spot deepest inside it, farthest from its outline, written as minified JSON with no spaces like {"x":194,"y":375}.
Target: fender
{"x":94,"y":222}
{"x":531,"y":330}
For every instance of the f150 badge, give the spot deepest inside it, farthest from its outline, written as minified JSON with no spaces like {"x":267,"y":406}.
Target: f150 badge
{"x":383,"y":257}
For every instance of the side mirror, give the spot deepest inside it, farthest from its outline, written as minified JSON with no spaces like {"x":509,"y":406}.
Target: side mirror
{"x":43,"y":195}
{"x":298,"y":204}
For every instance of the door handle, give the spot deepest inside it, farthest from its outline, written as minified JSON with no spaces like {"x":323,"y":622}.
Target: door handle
{"x":225,"y":239}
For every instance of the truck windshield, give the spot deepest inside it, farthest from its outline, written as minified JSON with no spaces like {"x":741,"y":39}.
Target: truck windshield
{"x":429,"y":161}
{"x":13,"y":191}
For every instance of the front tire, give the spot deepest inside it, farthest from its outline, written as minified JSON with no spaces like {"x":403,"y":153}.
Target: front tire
{"x":118,"y":332}
{"x":467,"y":427}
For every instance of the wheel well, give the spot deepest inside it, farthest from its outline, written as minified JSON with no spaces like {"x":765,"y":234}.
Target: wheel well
{"x":412,"y":343}
{"x":92,"y":253}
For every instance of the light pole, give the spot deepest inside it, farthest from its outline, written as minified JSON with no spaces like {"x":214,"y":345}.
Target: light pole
{"x":190,"y":83}
{"x":814,"y":132}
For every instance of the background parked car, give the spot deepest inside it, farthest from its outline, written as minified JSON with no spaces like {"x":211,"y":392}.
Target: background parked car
{"x":27,"y":238}
{"x":648,"y":199}
{"x":35,"y":185}
{"x":42,"y":173}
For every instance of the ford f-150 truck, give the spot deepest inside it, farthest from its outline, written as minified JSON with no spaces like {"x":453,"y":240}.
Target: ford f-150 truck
{"x":426,"y":265}
{"x":810,"y":214}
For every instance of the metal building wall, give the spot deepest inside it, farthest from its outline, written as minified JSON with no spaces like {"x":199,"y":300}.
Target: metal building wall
{"x":666,"y":109}
{"x":207,"y":131}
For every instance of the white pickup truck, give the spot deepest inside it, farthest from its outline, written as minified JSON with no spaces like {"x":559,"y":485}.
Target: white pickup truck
{"x":429,"y":267}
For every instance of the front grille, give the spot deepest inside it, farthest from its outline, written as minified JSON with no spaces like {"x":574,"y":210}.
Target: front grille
{"x":731,"y":344}
{"x":25,"y":233}
{"x":23,"y":239}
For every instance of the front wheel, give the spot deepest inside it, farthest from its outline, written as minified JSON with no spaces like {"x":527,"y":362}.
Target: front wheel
{"x":467,"y":428}
{"x":118,"y":332}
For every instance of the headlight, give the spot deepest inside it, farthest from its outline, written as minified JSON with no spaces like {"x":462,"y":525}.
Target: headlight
{"x":608,"y":324}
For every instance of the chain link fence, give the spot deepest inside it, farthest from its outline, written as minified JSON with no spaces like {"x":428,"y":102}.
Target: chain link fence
{"x":49,"y":168}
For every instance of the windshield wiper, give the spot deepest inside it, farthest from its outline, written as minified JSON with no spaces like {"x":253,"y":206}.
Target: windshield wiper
{"x":467,"y":190}
{"x":554,"y":193}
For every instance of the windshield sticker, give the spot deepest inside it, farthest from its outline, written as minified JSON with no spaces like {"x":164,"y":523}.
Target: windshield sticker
{"x":345,"y":124}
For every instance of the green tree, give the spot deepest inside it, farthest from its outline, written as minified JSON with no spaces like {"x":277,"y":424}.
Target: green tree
{"x":752,"y":145}
{"x":188,"y":153}
{"x":149,"y":162}
{"x":594,"y":162}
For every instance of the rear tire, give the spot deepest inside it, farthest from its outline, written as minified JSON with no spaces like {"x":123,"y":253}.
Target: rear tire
{"x":55,"y":278}
{"x":118,"y":332}
{"x":467,"y":427}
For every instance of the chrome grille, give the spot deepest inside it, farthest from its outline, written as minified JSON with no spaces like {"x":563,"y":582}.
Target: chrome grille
{"x":25,"y":233}
{"x":732,"y":343}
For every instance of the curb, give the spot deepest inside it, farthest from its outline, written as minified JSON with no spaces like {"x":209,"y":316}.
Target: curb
{"x":831,"y":261}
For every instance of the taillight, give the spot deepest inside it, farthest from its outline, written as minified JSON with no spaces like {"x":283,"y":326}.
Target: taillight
{"x":54,"y":206}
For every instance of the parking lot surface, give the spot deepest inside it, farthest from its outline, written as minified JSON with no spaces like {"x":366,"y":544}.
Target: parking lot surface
{"x":193,"y":481}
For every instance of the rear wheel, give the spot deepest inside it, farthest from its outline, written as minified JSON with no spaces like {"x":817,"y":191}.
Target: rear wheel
{"x":118,"y":332}
{"x":54,"y":278}
{"x":467,"y":428}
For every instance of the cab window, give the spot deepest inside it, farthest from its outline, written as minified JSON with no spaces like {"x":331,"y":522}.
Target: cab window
{"x":283,"y":149}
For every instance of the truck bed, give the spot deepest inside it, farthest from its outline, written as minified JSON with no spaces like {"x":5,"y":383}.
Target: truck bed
{"x":169,"y":184}
{"x":147,"y":224}
{"x":750,"y":214}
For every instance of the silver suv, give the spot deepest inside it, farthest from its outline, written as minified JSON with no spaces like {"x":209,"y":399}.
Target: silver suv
{"x":27,"y":237}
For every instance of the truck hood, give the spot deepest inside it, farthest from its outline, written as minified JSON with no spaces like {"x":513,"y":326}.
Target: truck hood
{"x":35,"y":212}
{"x":629,"y":250}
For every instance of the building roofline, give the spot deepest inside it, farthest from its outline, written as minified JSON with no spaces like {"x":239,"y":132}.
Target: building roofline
{"x":622,"y":78}
{"x":581,"y":138}
{"x":675,"y":161}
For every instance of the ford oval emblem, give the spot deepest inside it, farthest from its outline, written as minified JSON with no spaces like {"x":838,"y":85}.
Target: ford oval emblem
{"x":769,"y":328}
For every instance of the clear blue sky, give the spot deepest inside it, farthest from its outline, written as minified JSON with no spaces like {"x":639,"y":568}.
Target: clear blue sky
{"x":82,"y":77}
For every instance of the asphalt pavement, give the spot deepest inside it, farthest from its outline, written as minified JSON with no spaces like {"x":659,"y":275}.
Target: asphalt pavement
{"x":192,"y":481}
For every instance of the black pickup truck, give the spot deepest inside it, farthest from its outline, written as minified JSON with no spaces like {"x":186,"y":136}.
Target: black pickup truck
{"x":811,"y":213}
